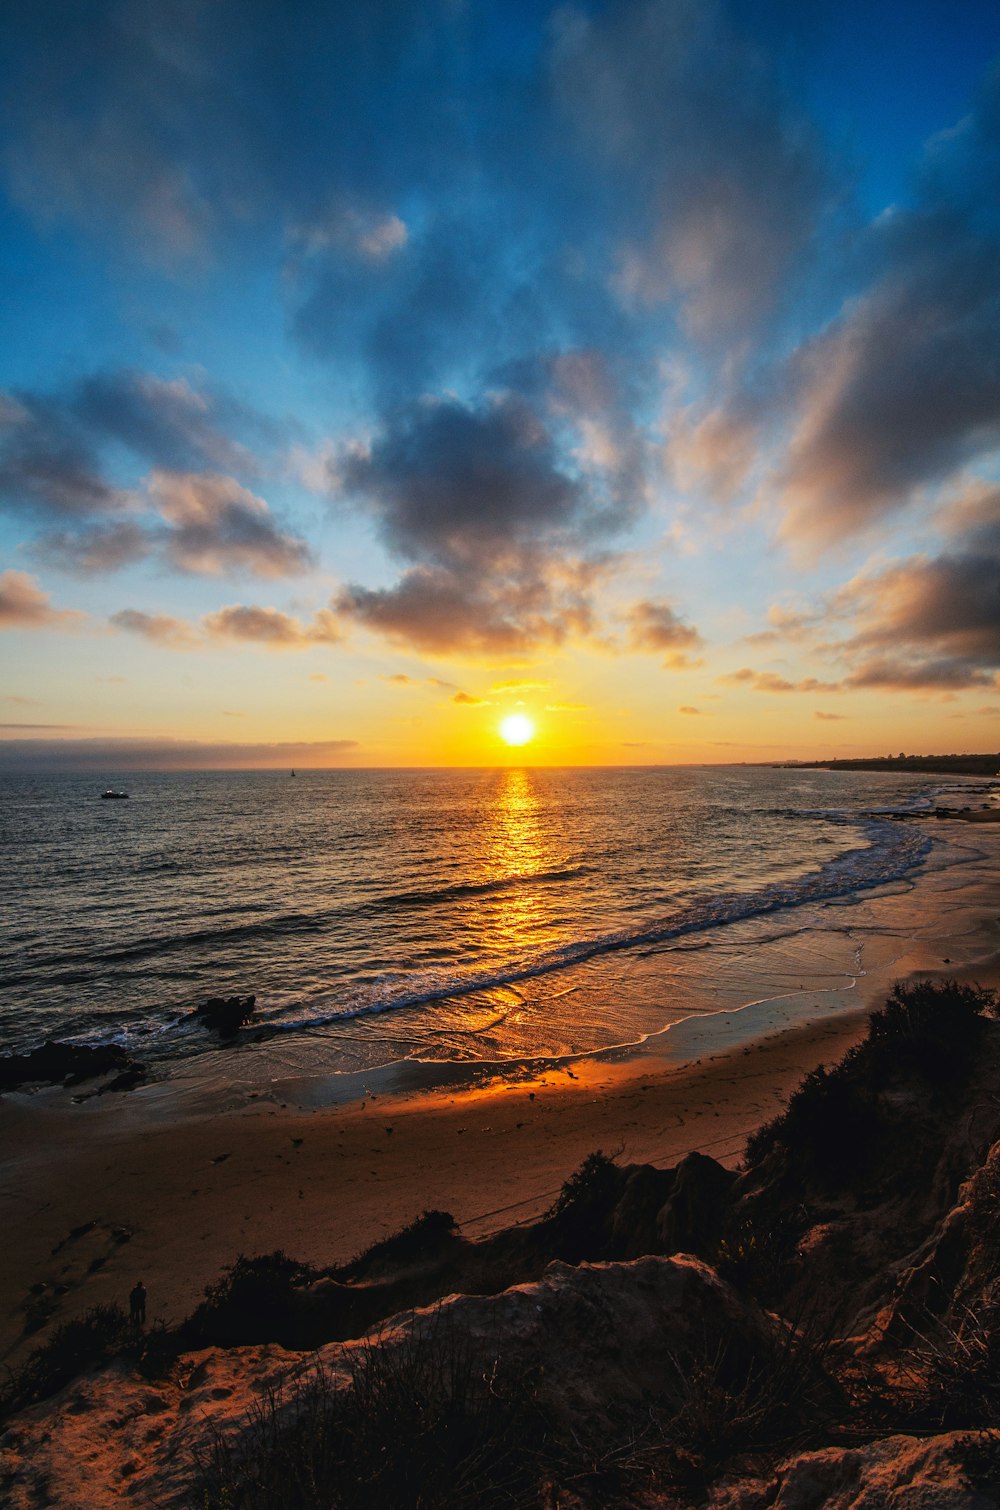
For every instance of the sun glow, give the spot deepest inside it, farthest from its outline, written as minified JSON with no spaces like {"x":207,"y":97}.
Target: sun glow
{"x":517,"y":729}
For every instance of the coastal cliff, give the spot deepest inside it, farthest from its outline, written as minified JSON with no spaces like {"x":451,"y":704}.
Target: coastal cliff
{"x":816,"y":1329}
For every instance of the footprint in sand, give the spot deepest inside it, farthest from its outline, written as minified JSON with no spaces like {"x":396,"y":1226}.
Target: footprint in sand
{"x":83,"y":1252}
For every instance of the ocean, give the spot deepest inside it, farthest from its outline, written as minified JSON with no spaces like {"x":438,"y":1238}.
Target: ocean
{"x":454,"y":915}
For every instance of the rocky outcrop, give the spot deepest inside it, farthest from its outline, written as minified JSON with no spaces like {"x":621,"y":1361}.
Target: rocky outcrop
{"x":693,"y":1217}
{"x":953,"y":1471}
{"x":57,"y":1063}
{"x":611,"y":1340}
{"x":225,"y":1015}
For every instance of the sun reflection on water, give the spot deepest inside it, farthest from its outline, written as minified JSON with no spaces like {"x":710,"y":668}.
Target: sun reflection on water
{"x":516,"y":848}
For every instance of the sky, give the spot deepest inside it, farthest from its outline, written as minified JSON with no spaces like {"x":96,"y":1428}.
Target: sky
{"x":371,"y":373}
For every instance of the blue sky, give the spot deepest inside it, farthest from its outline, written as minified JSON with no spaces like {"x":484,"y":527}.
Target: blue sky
{"x":369,"y":370}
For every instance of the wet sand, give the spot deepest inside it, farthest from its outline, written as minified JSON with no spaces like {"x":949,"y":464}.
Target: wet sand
{"x":170,"y":1182}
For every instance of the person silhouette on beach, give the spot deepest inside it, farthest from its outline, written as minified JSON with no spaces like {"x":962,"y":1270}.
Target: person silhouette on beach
{"x":137,"y":1304}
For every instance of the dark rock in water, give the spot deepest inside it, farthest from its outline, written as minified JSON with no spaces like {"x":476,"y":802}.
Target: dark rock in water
{"x":127,"y":1080}
{"x":225,"y":1015}
{"x":62,"y":1063}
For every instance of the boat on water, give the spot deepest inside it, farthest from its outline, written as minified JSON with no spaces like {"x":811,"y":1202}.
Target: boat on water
{"x":112,"y":794}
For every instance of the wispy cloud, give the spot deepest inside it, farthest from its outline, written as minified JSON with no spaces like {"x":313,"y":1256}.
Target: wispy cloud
{"x":902,"y":389}
{"x":770,"y":681}
{"x":932,"y":621}
{"x":237,"y":623}
{"x":161,"y":628}
{"x":216,"y":526}
{"x":24,"y":605}
{"x":164,"y":754}
{"x":654,"y":625}
{"x":270,"y":627}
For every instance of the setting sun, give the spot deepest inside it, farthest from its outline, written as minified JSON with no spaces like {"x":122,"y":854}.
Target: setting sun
{"x":517,"y":729}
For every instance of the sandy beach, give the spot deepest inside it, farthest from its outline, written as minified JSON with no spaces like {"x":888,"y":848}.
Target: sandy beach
{"x":170,"y":1182}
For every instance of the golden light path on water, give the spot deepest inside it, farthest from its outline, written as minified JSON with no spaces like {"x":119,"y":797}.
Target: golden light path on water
{"x":517,"y":846}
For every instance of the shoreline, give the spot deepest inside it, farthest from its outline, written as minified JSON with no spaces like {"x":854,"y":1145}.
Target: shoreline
{"x":924,"y":919}
{"x":325,"y":1184}
{"x":90,"y":1208}
{"x":170,"y":1182}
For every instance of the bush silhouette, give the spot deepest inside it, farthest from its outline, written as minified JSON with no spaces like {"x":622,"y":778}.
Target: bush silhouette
{"x":252,"y":1301}
{"x":76,"y":1346}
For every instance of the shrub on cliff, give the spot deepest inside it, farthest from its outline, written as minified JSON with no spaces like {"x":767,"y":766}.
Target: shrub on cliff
{"x":928,"y":1028}
{"x":417,"y":1424}
{"x":252,"y":1301}
{"x":828,"y":1126}
{"x":584,"y":1206}
{"x":832,"y":1123}
{"x":76,"y":1346}
{"x":425,"y":1237}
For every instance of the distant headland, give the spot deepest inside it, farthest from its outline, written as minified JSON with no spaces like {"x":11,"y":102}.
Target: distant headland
{"x":959,"y":765}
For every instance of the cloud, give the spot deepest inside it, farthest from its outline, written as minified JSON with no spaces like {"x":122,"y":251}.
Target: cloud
{"x":654,"y":625}
{"x":54,"y":451}
{"x":794,"y":624}
{"x":466,"y":700}
{"x":61,"y":728}
{"x":691,"y":711}
{"x":199,"y":123}
{"x":932,"y":621}
{"x":400,"y":679}
{"x":895,"y":674}
{"x":829,"y":718}
{"x":519,"y":686}
{"x":23,"y":605}
{"x":208,"y":525}
{"x":501,"y":535}
{"x":268,"y":626}
{"x":567,"y":707}
{"x":49,"y":465}
{"x":51,"y":443}
{"x":442,"y":612}
{"x":769,"y":681}
{"x":721,"y":182}
{"x":117,"y":152}
{"x":361,"y":231}
{"x":94,"y":549}
{"x":164,"y":754}
{"x":217,"y":526}
{"x":464,"y":486}
{"x":713,"y":450}
{"x":167,"y":421}
{"x":161,"y":628}
{"x":902,"y":389}
{"x":238,"y":622}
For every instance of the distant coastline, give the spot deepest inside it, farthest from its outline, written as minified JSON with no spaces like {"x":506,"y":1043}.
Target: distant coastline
{"x":944,"y":765}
